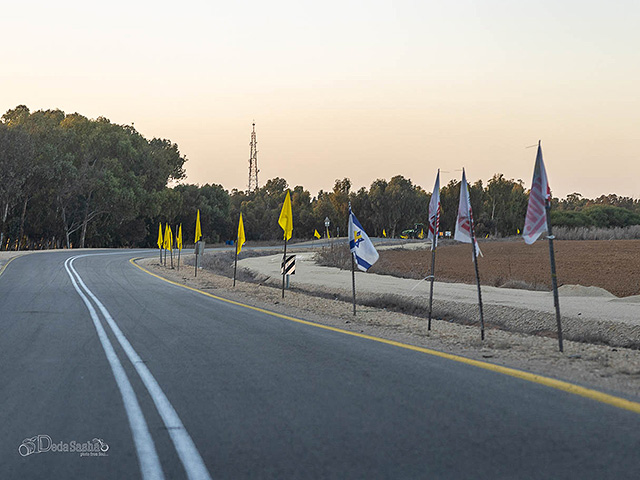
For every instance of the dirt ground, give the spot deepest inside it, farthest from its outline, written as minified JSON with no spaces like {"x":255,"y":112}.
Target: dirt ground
{"x":613,"y":265}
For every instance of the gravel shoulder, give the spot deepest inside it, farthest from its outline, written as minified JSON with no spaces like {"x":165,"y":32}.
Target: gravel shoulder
{"x":610,"y":369}
{"x":589,"y":314}
{"x":5,"y":257}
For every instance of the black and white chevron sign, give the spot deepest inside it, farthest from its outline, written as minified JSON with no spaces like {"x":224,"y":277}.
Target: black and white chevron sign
{"x":289,"y":267}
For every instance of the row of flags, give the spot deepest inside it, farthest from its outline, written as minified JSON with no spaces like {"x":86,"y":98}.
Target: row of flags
{"x":537,"y":222}
{"x":362,"y":247}
{"x":365,"y":255}
{"x":166,"y":241}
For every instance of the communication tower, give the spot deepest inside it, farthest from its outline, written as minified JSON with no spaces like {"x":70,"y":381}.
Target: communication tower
{"x":253,"y":162}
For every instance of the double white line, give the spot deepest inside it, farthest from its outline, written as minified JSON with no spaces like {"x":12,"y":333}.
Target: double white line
{"x":145,"y":448}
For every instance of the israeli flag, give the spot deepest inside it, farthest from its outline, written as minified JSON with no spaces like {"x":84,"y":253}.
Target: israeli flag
{"x":361,"y":247}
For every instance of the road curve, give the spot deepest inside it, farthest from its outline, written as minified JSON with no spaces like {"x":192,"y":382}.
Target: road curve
{"x":174,"y":384}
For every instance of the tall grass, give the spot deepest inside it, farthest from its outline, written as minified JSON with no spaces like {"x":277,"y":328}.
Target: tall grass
{"x":596,"y":233}
{"x":334,"y":257}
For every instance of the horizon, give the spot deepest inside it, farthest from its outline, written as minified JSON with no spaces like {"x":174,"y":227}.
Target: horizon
{"x":349,"y":89}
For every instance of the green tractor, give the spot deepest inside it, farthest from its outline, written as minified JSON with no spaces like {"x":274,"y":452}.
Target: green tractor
{"x":418,"y":231}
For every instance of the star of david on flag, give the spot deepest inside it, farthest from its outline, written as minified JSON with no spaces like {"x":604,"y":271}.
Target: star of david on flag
{"x":360,"y":245}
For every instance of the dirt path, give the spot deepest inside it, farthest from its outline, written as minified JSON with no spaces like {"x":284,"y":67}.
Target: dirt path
{"x":588,"y":314}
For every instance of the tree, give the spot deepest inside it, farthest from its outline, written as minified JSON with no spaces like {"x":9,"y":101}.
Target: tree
{"x":378,"y":204}
{"x":16,"y":151}
{"x":506,"y":204}
{"x":103,"y":178}
{"x":340,"y":200}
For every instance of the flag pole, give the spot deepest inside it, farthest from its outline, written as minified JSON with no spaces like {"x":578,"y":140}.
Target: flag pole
{"x":235,"y":266}
{"x":353,"y":281}
{"x":433,"y":269}
{"x":475,"y":262}
{"x":284,"y":259}
{"x":554,"y":277}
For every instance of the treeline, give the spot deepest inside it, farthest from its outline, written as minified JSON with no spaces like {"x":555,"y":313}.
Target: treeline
{"x":68,"y":181}
{"x":393,"y":206}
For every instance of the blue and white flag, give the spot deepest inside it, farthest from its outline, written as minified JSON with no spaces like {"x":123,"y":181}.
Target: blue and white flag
{"x":361,"y":247}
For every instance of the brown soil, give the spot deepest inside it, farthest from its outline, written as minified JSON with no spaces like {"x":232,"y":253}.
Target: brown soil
{"x":613,"y":265}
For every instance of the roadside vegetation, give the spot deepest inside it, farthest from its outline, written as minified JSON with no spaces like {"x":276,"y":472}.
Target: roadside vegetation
{"x":69,"y":181}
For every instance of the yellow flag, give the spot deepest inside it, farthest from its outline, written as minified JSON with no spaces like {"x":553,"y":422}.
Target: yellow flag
{"x":518,"y":231}
{"x":198,"y":231}
{"x":167,"y":237}
{"x":160,"y":242}
{"x":316,"y":234}
{"x":421,"y":234}
{"x":170,"y":238}
{"x":241,"y":239}
{"x":179,"y":242}
{"x":286,"y":217}
{"x":328,"y":234}
{"x":384,"y":233}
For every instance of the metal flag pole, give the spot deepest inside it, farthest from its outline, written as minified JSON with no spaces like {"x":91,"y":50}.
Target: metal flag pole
{"x":284,"y":259}
{"x":353,"y":281}
{"x":554,"y":277}
{"x":235,"y":266}
{"x":475,"y":262}
{"x":433,"y":269}
{"x":175,"y":244}
{"x":196,"y":270}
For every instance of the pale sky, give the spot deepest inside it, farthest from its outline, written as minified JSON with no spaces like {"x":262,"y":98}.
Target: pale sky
{"x":359,"y":89}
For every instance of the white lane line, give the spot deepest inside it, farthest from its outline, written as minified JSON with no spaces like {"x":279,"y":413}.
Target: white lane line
{"x":147,"y":456}
{"x":191,"y":460}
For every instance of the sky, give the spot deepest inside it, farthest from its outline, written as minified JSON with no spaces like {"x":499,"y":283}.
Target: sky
{"x":358,"y":89}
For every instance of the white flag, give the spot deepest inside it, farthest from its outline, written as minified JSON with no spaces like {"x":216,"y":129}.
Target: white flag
{"x":535,"y":223}
{"x":360,"y":245}
{"x":434,"y":213}
{"x":465,"y":216}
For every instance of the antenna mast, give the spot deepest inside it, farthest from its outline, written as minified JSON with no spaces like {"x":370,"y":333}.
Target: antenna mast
{"x":253,"y":162}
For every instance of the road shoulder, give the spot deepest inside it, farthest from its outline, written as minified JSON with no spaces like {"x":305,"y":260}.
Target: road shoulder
{"x":612,"y":370}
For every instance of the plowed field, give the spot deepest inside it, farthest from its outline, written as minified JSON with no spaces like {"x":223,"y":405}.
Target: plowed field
{"x":613,"y":265}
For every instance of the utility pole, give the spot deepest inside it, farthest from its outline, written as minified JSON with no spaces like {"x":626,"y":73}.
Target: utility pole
{"x":253,"y":162}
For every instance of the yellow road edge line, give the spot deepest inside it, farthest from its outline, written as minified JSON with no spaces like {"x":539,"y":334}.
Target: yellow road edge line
{"x":512,"y":372}
{"x":4,"y":267}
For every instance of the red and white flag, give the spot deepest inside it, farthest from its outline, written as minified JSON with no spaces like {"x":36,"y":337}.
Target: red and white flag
{"x":434,"y":213}
{"x":535,"y":222}
{"x":465,"y":216}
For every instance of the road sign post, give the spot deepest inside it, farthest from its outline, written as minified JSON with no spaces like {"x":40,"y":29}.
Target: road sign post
{"x":199,"y":250}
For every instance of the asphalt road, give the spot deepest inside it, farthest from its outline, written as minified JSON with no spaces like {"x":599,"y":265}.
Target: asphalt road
{"x":175,"y":384}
